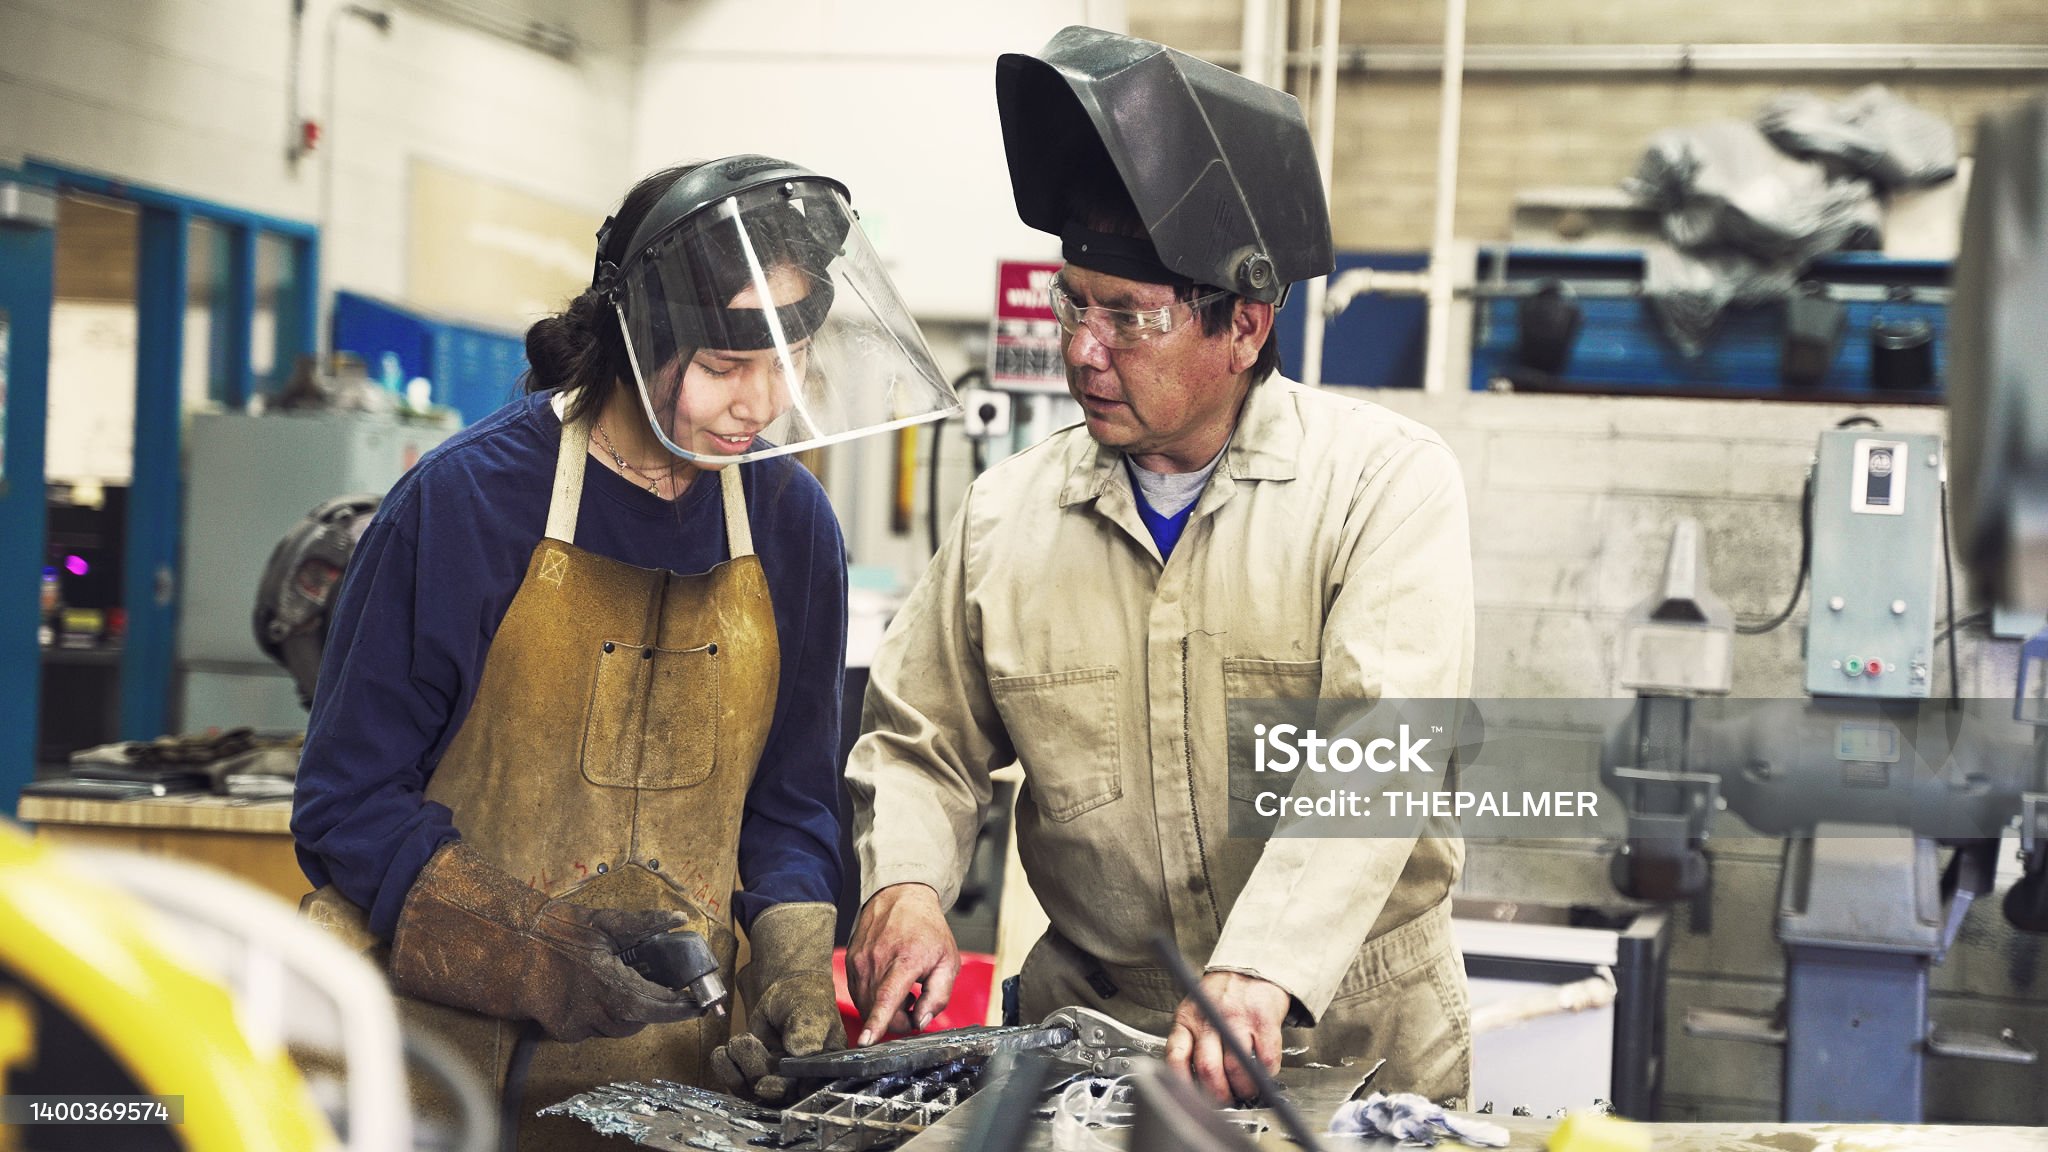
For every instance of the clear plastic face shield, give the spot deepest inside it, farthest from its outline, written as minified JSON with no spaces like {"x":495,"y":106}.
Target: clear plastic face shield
{"x":763,"y":324}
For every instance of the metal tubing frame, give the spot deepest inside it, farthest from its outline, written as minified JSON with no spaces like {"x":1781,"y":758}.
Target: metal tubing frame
{"x":1326,"y":154}
{"x":1450,"y":61}
{"x":1259,"y":56}
{"x":68,"y":179}
{"x":150,"y":557}
{"x":155,"y":505}
{"x":1437,"y":353}
{"x":28,"y":258}
{"x":1685,"y":59}
{"x":233,"y":339}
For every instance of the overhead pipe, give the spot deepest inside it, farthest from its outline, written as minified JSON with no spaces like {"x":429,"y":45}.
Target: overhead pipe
{"x":1257,"y":57}
{"x":1685,"y":59}
{"x":1442,"y":274}
{"x":295,"y":120}
{"x":507,"y":22}
{"x":381,"y":21}
{"x":1435,"y":364}
{"x":1276,"y":42}
{"x":1326,"y":156}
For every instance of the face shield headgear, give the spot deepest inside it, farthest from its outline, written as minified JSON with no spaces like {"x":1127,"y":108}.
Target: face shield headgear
{"x":758,"y":320}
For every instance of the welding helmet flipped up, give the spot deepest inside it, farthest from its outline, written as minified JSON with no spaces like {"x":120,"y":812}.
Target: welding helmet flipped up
{"x":1220,"y":169}
{"x":758,"y":319}
{"x":297,"y":590}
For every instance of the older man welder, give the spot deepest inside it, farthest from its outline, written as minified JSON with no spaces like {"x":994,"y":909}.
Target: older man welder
{"x":1214,"y":531}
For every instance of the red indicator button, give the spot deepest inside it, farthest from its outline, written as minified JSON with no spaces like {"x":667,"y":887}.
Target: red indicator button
{"x":1874,"y":668}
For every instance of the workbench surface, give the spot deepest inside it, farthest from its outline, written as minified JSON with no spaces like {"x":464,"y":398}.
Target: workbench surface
{"x":248,"y":839}
{"x":1317,"y":1092}
{"x":198,"y":810}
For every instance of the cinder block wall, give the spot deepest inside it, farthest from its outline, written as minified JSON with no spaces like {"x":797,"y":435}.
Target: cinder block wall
{"x":1526,"y":131}
{"x":1572,"y":504}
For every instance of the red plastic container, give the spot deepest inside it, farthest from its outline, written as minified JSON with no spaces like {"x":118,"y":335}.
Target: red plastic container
{"x":969,"y":1005}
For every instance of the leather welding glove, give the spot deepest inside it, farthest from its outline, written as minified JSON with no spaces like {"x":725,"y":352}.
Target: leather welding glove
{"x":472,"y":936}
{"x":792,"y":1006}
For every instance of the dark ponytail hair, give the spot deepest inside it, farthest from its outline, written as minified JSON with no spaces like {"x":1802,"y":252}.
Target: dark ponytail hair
{"x":581,"y":349}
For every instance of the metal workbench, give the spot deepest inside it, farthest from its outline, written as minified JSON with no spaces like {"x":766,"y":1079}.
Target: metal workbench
{"x":1317,"y":1092}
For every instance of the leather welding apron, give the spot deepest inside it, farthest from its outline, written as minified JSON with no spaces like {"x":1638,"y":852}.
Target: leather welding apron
{"x":606,"y":759}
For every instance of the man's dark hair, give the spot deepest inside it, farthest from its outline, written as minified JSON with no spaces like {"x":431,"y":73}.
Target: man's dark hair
{"x":1102,"y":205}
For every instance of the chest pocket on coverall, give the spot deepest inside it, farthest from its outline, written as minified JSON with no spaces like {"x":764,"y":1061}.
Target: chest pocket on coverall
{"x":1285,"y":692}
{"x":1064,"y":728}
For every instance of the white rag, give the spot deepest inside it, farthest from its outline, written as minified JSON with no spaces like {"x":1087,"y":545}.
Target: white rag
{"x":1412,"y":1119}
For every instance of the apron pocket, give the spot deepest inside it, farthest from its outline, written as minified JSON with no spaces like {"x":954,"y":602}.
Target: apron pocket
{"x":1064,"y":727}
{"x":653,"y":717}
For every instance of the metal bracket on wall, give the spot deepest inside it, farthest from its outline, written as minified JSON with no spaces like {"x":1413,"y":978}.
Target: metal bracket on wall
{"x":27,"y":206}
{"x":2004,"y":1048}
{"x":2033,"y":822}
{"x":1729,"y":1024}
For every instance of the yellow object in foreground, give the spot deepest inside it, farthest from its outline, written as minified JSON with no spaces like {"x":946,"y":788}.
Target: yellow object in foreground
{"x":1593,"y":1132}
{"x":87,"y":950}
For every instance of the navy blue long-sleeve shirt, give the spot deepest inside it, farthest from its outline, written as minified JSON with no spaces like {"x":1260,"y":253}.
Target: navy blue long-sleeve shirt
{"x":434,"y":576}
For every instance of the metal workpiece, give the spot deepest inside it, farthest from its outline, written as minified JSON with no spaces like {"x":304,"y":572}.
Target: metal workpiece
{"x":1072,"y":1035}
{"x":674,"y":1117}
{"x":886,"y":1094}
{"x":858,"y":1114}
{"x":897,"y":1057}
{"x":876,"y":1097}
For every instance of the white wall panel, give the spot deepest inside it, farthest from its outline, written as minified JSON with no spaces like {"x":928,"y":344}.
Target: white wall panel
{"x":897,"y":100}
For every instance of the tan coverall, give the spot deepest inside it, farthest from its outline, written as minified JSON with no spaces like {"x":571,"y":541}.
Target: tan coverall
{"x":1329,"y":554}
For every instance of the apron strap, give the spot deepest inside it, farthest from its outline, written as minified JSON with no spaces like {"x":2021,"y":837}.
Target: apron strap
{"x":567,"y":500}
{"x":739,"y":534}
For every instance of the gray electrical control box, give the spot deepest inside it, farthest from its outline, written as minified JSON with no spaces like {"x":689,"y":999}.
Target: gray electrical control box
{"x":248,"y":480}
{"x":1876,"y":553}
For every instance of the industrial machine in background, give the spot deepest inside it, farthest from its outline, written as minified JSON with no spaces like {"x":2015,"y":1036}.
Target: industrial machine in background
{"x":1869,"y":780}
{"x":296,"y":594}
{"x":250,"y":481}
{"x":82,"y":619}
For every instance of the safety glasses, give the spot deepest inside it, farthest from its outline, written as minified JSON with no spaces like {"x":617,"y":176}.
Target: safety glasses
{"x":1123,"y":327}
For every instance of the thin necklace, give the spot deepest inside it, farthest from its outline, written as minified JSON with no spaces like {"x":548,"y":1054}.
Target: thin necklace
{"x":653,"y":479}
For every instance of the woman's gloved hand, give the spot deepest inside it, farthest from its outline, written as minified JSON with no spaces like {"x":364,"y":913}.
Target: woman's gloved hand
{"x":472,"y":936}
{"x":792,"y":1007}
